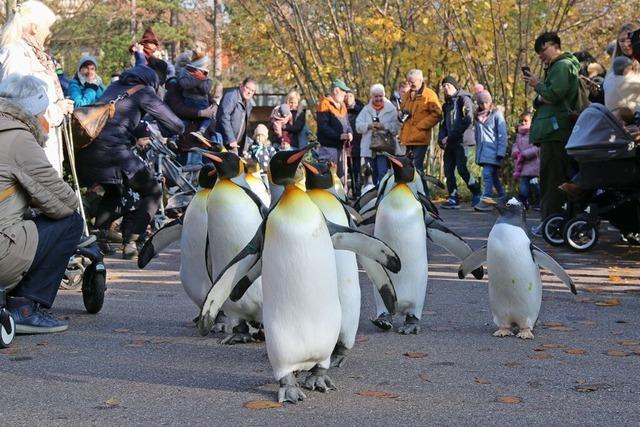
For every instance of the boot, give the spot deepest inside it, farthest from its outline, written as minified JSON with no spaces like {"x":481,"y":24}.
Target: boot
{"x":103,"y":242}
{"x":129,"y":247}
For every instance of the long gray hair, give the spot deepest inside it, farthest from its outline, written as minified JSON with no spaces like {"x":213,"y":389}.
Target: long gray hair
{"x":29,"y":12}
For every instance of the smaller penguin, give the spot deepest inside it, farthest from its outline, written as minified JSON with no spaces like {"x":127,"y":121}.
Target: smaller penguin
{"x":515,"y":286}
{"x":253,"y":177}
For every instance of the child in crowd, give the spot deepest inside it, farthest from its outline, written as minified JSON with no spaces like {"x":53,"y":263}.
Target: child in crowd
{"x":491,"y":146}
{"x":526,"y":162}
{"x":196,"y":87}
{"x":262,"y":150}
{"x":280,"y":117}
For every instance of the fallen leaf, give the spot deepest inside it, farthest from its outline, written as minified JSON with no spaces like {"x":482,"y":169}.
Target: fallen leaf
{"x":424,"y":377}
{"x":509,"y":399}
{"x":608,"y":302}
{"x":586,"y":322}
{"x":43,"y":343}
{"x":615,"y":279}
{"x":262,"y":404}
{"x":112,"y":403}
{"x":551,"y":324}
{"x":561,"y":328}
{"x":553,"y":345}
{"x":480,"y":380}
{"x":415,"y":354}
{"x":161,"y":341}
{"x":617,"y":332}
{"x":575,"y":351}
{"x":616,"y":353}
{"x":541,"y":356}
{"x":10,"y":350}
{"x":586,"y":388}
{"x":121,"y":330}
{"x":136,"y":344}
{"x":378,"y":393}
{"x":538,"y":349}
{"x":512,"y":364}
{"x":362,"y":338}
{"x":621,"y":321}
{"x":584,"y":300}
{"x":629,"y":342}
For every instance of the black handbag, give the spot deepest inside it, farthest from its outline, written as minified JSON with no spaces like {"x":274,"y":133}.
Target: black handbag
{"x":383,"y":141}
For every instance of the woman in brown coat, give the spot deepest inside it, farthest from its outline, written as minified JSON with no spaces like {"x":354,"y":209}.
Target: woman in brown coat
{"x":39,"y":225}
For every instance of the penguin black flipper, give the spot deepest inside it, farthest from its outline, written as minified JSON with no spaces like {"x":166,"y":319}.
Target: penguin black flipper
{"x":264,"y":210}
{"x":159,"y":240}
{"x":349,"y":239}
{"x":354,"y":217}
{"x":447,"y":239}
{"x":381,"y":280}
{"x":542,"y":259}
{"x":243,"y":285}
{"x":369,"y":216}
{"x":365,"y":198}
{"x":473,"y":262}
{"x":431,"y":179}
{"x":224,"y":283}
{"x":428,"y":205}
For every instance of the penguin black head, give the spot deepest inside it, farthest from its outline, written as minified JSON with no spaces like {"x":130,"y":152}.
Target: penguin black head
{"x":283,"y":166}
{"x":403,"y":170}
{"x":207,"y":176}
{"x":227,"y":164}
{"x":510,"y":208}
{"x":318,"y":175}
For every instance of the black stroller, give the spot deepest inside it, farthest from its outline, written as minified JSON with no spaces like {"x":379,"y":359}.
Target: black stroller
{"x":609,"y":176}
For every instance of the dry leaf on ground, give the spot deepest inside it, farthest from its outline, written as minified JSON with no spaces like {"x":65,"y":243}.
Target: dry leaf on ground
{"x":262,"y":404}
{"x":378,"y":393}
{"x":415,"y":354}
{"x":112,"y":403}
{"x":480,"y":380}
{"x":612,"y":302}
{"x":586,"y":388}
{"x":124,"y":330}
{"x":553,"y":345}
{"x":629,"y":342}
{"x":509,"y":399}
{"x":551,"y":324}
{"x":362,"y":338}
{"x":615,"y":279}
{"x":561,"y":329}
{"x":136,"y":344}
{"x":424,"y":377}
{"x":9,"y":351}
{"x":616,"y":353}
{"x":575,"y":351}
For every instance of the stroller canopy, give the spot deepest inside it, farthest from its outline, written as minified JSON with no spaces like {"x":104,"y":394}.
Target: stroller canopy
{"x":597,"y":136}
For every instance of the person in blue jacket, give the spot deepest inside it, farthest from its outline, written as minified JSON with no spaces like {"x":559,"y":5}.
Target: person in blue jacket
{"x":491,"y":147}
{"x":86,"y":86}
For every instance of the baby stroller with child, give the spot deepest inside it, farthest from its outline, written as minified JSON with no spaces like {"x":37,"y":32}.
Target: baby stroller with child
{"x":608,"y":182}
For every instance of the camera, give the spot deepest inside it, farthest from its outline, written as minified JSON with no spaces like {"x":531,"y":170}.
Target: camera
{"x":404,"y":116}
{"x":526,"y":70}
{"x":376,"y":120}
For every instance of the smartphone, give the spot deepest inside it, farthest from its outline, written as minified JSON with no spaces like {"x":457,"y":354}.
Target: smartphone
{"x":526,"y":70}
{"x":376,"y":120}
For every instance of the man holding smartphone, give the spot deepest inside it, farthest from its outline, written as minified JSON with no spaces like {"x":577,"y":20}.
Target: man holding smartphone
{"x":551,"y":127}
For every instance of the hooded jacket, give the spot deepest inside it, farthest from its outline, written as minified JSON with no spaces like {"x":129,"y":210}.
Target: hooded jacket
{"x":80,"y":90}
{"x":559,"y":91}
{"x":425,"y":114}
{"x":27,"y":179}
{"x":456,"y":118}
{"x":491,"y":139}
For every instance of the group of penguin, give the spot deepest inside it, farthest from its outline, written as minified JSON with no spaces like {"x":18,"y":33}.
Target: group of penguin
{"x":281,"y":259}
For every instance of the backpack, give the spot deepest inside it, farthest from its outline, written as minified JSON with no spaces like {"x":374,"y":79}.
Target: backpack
{"x":582,"y":99}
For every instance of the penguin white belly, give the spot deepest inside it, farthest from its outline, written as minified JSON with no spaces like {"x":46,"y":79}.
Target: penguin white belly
{"x":193,"y":241}
{"x":257,"y":186}
{"x":515,"y":288}
{"x":301,"y":309}
{"x":346,"y":269}
{"x":400,"y":224}
{"x":233,"y":219}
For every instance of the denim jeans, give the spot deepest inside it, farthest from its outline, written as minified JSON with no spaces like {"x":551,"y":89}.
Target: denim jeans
{"x":528,"y":189}
{"x":455,"y":158}
{"x":419,"y":153}
{"x":490,"y":179}
{"x":57,"y":241}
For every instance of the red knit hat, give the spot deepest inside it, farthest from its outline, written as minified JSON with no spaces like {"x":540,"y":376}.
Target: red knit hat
{"x":149,"y":37}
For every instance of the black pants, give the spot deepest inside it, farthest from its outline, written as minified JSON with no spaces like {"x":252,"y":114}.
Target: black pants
{"x":455,"y":158}
{"x":354,"y":171}
{"x":556,"y":167}
{"x":57,"y":241}
{"x":133,"y":221}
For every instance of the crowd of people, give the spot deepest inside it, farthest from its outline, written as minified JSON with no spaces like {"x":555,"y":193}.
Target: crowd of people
{"x":183,"y":100}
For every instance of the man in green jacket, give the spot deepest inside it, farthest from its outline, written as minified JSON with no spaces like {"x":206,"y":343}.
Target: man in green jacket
{"x":550,"y":129}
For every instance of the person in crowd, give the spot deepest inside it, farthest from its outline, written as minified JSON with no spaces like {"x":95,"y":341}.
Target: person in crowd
{"x":262,"y":150}
{"x":281,"y":117}
{"x":379,"y":115}
{"x":62,"y":78}
{"x":622,"y":82}
{"x":551,"y":127}
{"x":197,"y":90}
{"x":491,"y":147}
{"x":334,"y":130}
{"x":354,"y":107}
{"x":110,"y":161}
{"x":456,"y":118}
{"x":22,"y":52}
{"x":232,"y":117}
{"x":403,"y":88}
{"x":86,"y":86}
{"x":297,"y":128}
{"x":420,"y":111}
{"x":36,"y":250}
{"x":526,"y":164}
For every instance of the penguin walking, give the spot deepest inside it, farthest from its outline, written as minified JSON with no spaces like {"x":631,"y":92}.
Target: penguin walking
{"x":515,"y":286}
{"x":294,"y":253}
{"x":403,"y":221}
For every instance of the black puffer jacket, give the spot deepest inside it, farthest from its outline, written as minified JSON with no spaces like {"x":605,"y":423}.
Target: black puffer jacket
{"x":110,"y":155}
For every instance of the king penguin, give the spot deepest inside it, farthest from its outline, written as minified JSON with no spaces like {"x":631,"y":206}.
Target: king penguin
{"x":515,"y":286}
{"x":294,"y":253}
{"x":253,"y":177}
{"x":403,"y":221}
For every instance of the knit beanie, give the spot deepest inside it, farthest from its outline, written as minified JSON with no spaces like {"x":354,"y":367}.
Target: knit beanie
{"x":483,"y":97}
{"x":200,"y":62}
{"x":261,"y":130}
{"x":451,"y":81}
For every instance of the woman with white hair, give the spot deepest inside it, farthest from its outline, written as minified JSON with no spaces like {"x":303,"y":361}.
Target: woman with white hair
{"x":378,"y":116}
{"x":22,"y":52}
{"x":35,"y":250}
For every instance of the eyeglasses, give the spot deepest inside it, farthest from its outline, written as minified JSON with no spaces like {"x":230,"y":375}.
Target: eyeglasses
{"x":541,"y":51}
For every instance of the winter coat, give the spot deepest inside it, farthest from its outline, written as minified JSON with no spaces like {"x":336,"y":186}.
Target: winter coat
{"x":332,"y":122}
{"x":353,"y":112}
{"x":622,"y":91}
{"x":297,"y":127}
{"x":232,"y":119}
{"x":388,"y":118}
{"x":527,"y":153}
{"x":27,"y":179}
{"x":456,"y":117}
{"x":109,"y":156}
{"x":193,"y":87}
{"x":559,"y":89}
{"x":82,"y":92}
{"x":425,"y":114}
{"x":491,"y":139}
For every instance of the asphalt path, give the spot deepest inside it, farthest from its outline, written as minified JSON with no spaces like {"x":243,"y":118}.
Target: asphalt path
{"x":141,"y":361}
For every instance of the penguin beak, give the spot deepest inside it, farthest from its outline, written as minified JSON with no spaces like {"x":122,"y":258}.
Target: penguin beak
{"x":393,"y":159}
{"x":298,"y":155}
{"x":311,"y":168}
{"x":212,"y":157}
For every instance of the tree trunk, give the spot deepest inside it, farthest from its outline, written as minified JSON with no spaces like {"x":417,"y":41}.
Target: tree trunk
{"x":217,"y":39}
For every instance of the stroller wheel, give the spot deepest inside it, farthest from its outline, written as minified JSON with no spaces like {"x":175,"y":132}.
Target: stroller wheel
{"x":552,"y":229}
{"x":7,"y":328}
{"x":72,"y":278}
{"x":93,"y":287}
{"x":580,"y":235}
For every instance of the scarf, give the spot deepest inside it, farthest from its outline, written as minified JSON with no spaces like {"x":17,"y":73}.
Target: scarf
{"x":483,"y":115}
{"x":47,"y":63}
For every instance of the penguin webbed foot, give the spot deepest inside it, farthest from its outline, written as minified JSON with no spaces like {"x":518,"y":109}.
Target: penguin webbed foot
{"x":220,"y":324}
{"x":525,"y":334}
{"x":383,"y":322}
{"x":411,"y":325}
{"x":338,"y":356}
{"x":503,"y":332}
{"x":289,"y":390}
{"x":318,"y":380}
{"x":240,"y":335}
{"x":478,"y":273}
